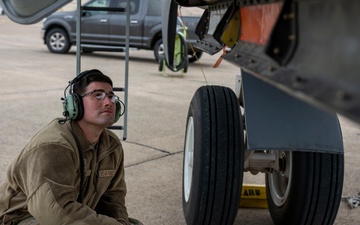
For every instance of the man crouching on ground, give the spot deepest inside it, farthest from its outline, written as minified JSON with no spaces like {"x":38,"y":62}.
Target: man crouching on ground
{"x":72,"y":171}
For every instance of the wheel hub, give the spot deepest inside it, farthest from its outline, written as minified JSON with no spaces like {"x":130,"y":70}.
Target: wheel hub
{"x":282,"y":163}
{"x":279,"y":182}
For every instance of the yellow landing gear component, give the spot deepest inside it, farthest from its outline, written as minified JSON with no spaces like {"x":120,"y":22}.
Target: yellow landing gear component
{"x":253,"y":196}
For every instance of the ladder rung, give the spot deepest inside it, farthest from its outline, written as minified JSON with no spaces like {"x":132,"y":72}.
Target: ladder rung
{"x":116,"y":127}
{"x":119,"y":89}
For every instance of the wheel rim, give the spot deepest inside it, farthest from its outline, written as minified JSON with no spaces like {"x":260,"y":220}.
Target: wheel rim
{"x":57,"y":41}
{"x":188,"y":158}
{"x":279,"y":182}
{"x":161,"y":50}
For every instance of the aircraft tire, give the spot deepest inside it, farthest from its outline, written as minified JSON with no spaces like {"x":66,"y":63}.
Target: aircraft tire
{"x":308,"y":191}
{"x":213,"y":157}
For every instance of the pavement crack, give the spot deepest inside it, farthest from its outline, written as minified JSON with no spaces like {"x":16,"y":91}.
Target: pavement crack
{"x":153,"y":159}
{"x":167,"y":153}
{"x":148,"y":146}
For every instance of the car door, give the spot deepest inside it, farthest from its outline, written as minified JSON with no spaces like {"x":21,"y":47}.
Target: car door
{"x":118,"y":24}
{"x":95,"y":24}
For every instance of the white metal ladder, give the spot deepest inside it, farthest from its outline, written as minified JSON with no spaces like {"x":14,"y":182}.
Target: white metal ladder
{"x":124,"y":89}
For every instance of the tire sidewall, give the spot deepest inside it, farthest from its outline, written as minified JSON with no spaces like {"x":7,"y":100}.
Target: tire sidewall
{"x":191,"y":207}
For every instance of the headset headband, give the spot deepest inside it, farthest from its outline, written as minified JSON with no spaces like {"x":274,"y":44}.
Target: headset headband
{"x":85,"y":73}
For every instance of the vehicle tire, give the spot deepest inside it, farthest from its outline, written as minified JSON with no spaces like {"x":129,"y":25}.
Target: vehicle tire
{"x":159,"y":50}
{"x":194,"y":58}
{"x":213,"y":157}
{"x":308,"y":191}
{"x":57,"y":41}
{"x":86,"y":50}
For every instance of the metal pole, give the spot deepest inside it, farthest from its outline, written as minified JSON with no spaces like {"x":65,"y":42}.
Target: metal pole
{"x":127,"y":44}
{"x":78,"y":37}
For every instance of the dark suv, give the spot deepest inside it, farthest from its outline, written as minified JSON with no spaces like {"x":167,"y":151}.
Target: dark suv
{"x":105,"y":30}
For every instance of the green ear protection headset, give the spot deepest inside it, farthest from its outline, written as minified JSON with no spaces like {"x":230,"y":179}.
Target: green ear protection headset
{"x":73,"y":104}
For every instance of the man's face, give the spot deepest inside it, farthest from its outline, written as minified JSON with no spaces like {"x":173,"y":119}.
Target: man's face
{"x":98,"y":112}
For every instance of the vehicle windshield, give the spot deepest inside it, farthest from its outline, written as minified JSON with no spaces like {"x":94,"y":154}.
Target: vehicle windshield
{"x":98,"y":3}
{"x":134,"y":4}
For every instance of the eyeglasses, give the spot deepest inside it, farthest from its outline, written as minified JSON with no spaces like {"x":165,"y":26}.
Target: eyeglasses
{"x":101,"y":94}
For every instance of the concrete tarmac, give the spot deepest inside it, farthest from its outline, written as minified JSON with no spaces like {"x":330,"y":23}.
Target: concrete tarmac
{"x":33,"y":81}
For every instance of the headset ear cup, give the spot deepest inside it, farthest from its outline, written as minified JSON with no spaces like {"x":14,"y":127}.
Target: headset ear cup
{"x":79,"y":106}
{"x":117,"y":111}
{"x":73,"y":107}
{"x":70,"y":108}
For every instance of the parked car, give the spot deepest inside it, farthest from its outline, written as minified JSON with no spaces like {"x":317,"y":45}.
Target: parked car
{"x":105,"y":30}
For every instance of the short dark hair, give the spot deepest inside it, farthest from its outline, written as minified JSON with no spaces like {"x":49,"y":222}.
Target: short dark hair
{"x":86,"y":77}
